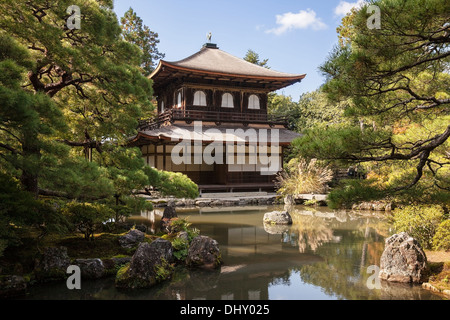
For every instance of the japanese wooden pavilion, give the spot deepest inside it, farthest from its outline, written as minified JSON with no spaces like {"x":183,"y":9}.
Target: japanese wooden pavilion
{"x":213,"y":98}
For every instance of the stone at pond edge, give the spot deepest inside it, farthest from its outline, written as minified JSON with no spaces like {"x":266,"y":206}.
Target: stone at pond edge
{"x":289,"y":199}
{"x":168,"y":214}
{"x":277,"y":217}
{"x":131,"y":239}
{"x":12,"y":286}
{"x":204,"y":253}
{"x":149,"y":265}
{"x":91,"y":268}
{"x":275,"y":228}
{"x":403,"y":260}
{"x":53,"y":264}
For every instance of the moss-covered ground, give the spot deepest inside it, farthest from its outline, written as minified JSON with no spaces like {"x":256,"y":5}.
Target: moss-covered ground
{"x":439,"y":264}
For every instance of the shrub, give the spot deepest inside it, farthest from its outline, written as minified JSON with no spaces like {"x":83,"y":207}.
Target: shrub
{"x":300,"y":176}
{"x":441,"y":240}
{"x":351,"y":192}
{"x":180,"y":248}
{"x":174,"y":184}
{"x":87,"y":218}
{"x":177,"y":225}
{"x":421,"y":222}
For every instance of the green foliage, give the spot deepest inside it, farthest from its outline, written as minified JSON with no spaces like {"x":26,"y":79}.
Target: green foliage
{"x":336,"y":142}
{"x":350,"y":192}
{"x":172,"y":183}
{"x":253,"y":57}
{"x":312,"y":202}
{"x":441,"y":239}
{"x":313,"y":110}
{"x":71,"y":99}
{"x":421,"y":222}
{"x":76,"y":94}
{"x":19,"y":211}
{"x":301,"y":176}
{"x":177,"y":225}
{"x":134,"y":31}
{"x":180,"y":248}
{"x":283,"y":106}
{"x":87,"y":218}
{"x":163,"y":271}
{"x":392,"y":94}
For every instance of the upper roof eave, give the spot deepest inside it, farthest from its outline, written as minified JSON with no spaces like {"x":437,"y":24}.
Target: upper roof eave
{"x":233,"y":75}
{"x":215,"y":62}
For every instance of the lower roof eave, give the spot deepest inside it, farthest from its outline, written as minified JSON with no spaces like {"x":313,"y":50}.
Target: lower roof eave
{"x":212,"y":134}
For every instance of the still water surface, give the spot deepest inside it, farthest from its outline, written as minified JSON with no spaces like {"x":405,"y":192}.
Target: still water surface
{"x":324,"y":255}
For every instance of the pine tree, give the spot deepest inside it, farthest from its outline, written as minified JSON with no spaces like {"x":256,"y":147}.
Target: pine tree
{"x":134,"y":31}
{"x":395,"y":83}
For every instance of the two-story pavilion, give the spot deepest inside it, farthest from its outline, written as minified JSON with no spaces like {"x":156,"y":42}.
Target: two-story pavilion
{"x":212,"y":122}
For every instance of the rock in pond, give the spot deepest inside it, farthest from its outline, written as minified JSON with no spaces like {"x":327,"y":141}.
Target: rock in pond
{"x":403,"y":260}
{"x":277,"y":217}
{"x":52,"y":265}
{"x":204,"y":253}
{"x":91,"y":268}
{"x":149,"y":265}
{"x":12,"y":286}
{"x":131,"y":239}
{"x":168,"y":214}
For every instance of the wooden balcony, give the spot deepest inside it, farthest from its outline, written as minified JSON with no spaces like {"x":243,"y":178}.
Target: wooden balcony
{"x":189,"y":116}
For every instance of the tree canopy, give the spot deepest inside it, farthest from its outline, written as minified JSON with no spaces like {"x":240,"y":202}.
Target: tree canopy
{"x":70,"y":100}
{"x":134,"y":31}
{"x":253,"y":57}
{"x":394,"y":84}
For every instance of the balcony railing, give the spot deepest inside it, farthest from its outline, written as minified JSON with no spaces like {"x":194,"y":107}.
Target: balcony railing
{"x":210,"y":116}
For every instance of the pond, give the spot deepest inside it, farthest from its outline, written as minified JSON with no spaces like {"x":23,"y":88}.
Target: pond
{"x":323,"y":255}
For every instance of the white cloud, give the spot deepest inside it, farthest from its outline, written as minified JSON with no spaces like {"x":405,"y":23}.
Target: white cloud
{"x":345,"y":7}
{"x":303,"y":20}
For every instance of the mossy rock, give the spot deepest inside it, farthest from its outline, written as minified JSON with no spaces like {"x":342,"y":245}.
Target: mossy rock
{"x":150,"y":265}
{"x":204,"y":252}
{"x":52,"y":265}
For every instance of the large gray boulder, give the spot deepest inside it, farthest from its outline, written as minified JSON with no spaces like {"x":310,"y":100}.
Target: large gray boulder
{"x":277,"y":217}
{"x":91,"y":268}
{"x":131,"y":239}
{"x":204,"y":253}
{"x":52,"y":265}
{"x":149,"y":265}
{"x":403,"y":260}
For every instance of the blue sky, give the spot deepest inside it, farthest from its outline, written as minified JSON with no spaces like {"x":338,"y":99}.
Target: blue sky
{"x":295,"y":35}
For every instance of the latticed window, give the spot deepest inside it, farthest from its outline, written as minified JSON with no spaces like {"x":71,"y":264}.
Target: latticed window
{"x":253,"y":102}
{"x":179,"y":100}
{"x":227,"y":100}
{"x":199,"y":98}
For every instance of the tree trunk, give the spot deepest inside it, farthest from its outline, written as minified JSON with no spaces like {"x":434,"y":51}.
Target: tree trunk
{"x":30,"y":168}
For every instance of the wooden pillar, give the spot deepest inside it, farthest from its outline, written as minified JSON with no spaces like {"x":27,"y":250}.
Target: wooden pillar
{"x":156,"y":156}
{"x":164,"y":156}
